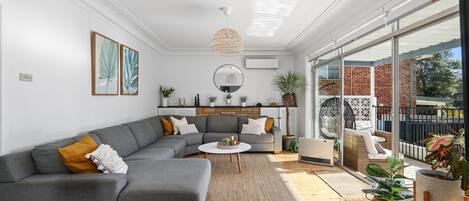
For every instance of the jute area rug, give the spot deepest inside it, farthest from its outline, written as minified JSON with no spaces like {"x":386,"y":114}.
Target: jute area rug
{"x":258,"y":181}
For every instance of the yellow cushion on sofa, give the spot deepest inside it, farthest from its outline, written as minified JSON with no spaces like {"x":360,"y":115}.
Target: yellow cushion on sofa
{"x":269,"y":123}
{"x":73,"y":156}
{"x":167,"y":126}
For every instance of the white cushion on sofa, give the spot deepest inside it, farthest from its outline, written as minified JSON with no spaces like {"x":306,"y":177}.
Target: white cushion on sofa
{"x":254,"y":129}
{"x":370,"y":145}
{"x":107,"y":160}
{"x":364,"y":125}
{"x":187,"y":129}
{"x":176,"y":123}
{"x":260,"y":122}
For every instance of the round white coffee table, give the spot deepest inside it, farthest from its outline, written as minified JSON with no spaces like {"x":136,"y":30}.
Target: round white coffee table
{"x":211,"y":148}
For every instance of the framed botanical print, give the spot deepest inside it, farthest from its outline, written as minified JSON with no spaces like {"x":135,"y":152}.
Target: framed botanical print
{"x":105,"y":65}
{"x":129,"y":71}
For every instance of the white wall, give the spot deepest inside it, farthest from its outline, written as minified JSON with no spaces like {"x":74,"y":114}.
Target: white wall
{"x":190,"y":75}
{"x":51,"y":40}
{"x":304,"y":97}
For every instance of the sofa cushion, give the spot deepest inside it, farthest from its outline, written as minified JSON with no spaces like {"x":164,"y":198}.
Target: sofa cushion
{"x":152,"y":153}
{"x":16,"y":166}
{"x":256,"y":139}
{"x":73,"y":156}
{"x":47,"y":158}
{"x":222,"y":124}
{"x":155,"y":123}
{"x":177,"y":144}
{"x":216,"y":137}
{"x":191,"y":139}
{"x":143,"y":132}
{"x":200,"y":123}
{"x":120,"y":138}
{"x":244,"y":119}
{"x":162,"y":180}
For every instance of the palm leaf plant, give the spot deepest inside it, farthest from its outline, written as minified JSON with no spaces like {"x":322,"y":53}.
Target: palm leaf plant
{"x":243,"y":98}
{"x":390,"y":184}
{"x":288,"y":84}
{"x":108,"y":62}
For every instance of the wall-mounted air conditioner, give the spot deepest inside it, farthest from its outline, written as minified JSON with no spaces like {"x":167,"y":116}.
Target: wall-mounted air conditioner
{"x":262,"y":63}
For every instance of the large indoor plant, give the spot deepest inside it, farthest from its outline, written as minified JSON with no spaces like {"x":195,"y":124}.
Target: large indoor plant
{"x":288,"y":84}
{"x":449,"y":173}
{"x":389,"y":183}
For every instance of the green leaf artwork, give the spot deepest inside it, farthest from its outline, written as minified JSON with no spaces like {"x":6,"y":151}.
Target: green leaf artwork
{"x":129,"y":71}
{"x":106,"y":66}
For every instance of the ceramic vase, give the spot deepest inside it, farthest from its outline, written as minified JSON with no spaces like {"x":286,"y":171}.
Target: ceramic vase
{"x":212,"y":104}
{"x":165,"y":102}
{"x":243,"y":104}
{"x":228,"y":102}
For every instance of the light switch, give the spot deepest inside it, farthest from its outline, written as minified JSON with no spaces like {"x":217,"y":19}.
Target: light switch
{"x":26,"y":77}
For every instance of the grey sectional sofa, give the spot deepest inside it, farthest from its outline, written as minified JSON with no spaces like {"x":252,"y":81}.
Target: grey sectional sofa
{"x":155,"y":171}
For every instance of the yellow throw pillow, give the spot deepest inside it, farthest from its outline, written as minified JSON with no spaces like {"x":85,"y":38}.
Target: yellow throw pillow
{"x":73,"y":155}
{"x":269,"y":124}
{"x":167,"y":126}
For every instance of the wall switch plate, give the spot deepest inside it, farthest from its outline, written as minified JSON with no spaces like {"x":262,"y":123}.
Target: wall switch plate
{"x":26,"y":77}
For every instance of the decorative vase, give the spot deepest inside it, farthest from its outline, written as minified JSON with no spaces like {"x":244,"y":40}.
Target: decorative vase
{"x":243,"y":104}
{"x":439,"y":188}
{"x":290,"y":99}
{"x":165,"y":101}
{"x":286,"y":141}
{"x":228,"y":102}
{"x":212,"y":104}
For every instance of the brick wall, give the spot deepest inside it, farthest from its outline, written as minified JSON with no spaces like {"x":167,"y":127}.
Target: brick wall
{"x":357,"y":83}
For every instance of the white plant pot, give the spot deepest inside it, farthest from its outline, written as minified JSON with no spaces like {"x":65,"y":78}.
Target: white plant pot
{"x":212,"y":104}
{"x":439,"y":189}
{"x":228,"y":101}
{"x":165,"y":102}
{"x":243,"y":104}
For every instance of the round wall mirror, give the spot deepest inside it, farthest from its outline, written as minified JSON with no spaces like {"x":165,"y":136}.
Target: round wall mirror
{"x":228,"y":78}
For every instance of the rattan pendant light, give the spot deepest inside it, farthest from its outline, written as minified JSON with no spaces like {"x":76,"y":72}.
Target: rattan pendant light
{"x":227,"y":40}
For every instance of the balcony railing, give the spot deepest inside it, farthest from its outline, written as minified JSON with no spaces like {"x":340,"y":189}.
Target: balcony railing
{"x":418,"y":123}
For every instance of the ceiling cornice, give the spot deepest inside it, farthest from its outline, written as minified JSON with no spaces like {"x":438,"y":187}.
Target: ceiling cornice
{"x":125,"y":20}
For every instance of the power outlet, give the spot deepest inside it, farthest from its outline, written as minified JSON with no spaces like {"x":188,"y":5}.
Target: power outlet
{"x":25,"y":77}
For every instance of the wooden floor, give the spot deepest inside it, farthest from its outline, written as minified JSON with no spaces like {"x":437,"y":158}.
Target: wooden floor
{"x":269,"y":177}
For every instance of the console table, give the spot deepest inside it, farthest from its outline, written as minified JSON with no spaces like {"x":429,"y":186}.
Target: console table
{"x":276,"y":112}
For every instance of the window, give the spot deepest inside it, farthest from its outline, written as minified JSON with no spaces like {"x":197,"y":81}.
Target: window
{"x":329,"y":72}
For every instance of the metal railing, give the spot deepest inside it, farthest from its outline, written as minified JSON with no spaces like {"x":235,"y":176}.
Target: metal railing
{"x":417,"y":124}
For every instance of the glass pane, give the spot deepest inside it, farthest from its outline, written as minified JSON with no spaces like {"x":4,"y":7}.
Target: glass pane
{"x":431,"y":86}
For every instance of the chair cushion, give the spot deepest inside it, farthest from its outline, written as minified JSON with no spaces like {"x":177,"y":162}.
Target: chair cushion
{"x":216,"y":137}
{"x":143,"y":132}
{"x":155,"y":123}
{"x":177,"y":144}
{"x":73,"y":156}
{"x":120,"y":138}
{"x":162,"y":180}
{"x":200,"y":123}
{"x":222,"y":124}
{"x":256,"y":139}
{"x":152,"y":153}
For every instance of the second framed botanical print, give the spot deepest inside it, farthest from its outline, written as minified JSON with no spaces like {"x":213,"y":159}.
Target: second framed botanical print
{"x":129,"y":71}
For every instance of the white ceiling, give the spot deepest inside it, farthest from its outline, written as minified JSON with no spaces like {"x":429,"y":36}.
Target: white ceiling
{"x":182,"y":25}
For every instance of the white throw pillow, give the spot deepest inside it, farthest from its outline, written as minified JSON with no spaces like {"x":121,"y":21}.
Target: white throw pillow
{"x":260,"y":122}
{"x":107,"y":160}
{"x":364,"y":125}
{"x":186,"y":129}
{"x":369,"y":143}
{"x":253,"y":129}
{"x":176,"y":123}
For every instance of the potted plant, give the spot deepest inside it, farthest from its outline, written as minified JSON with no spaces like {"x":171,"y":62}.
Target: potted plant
{"x":446,"y":153}
{"x":212,"y":100}
{"x":288,"y":84}
{"x":228,"y":99}
{"x":243,"y":100}
{"x":389,"y":183}
{"x":166,"y":92}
